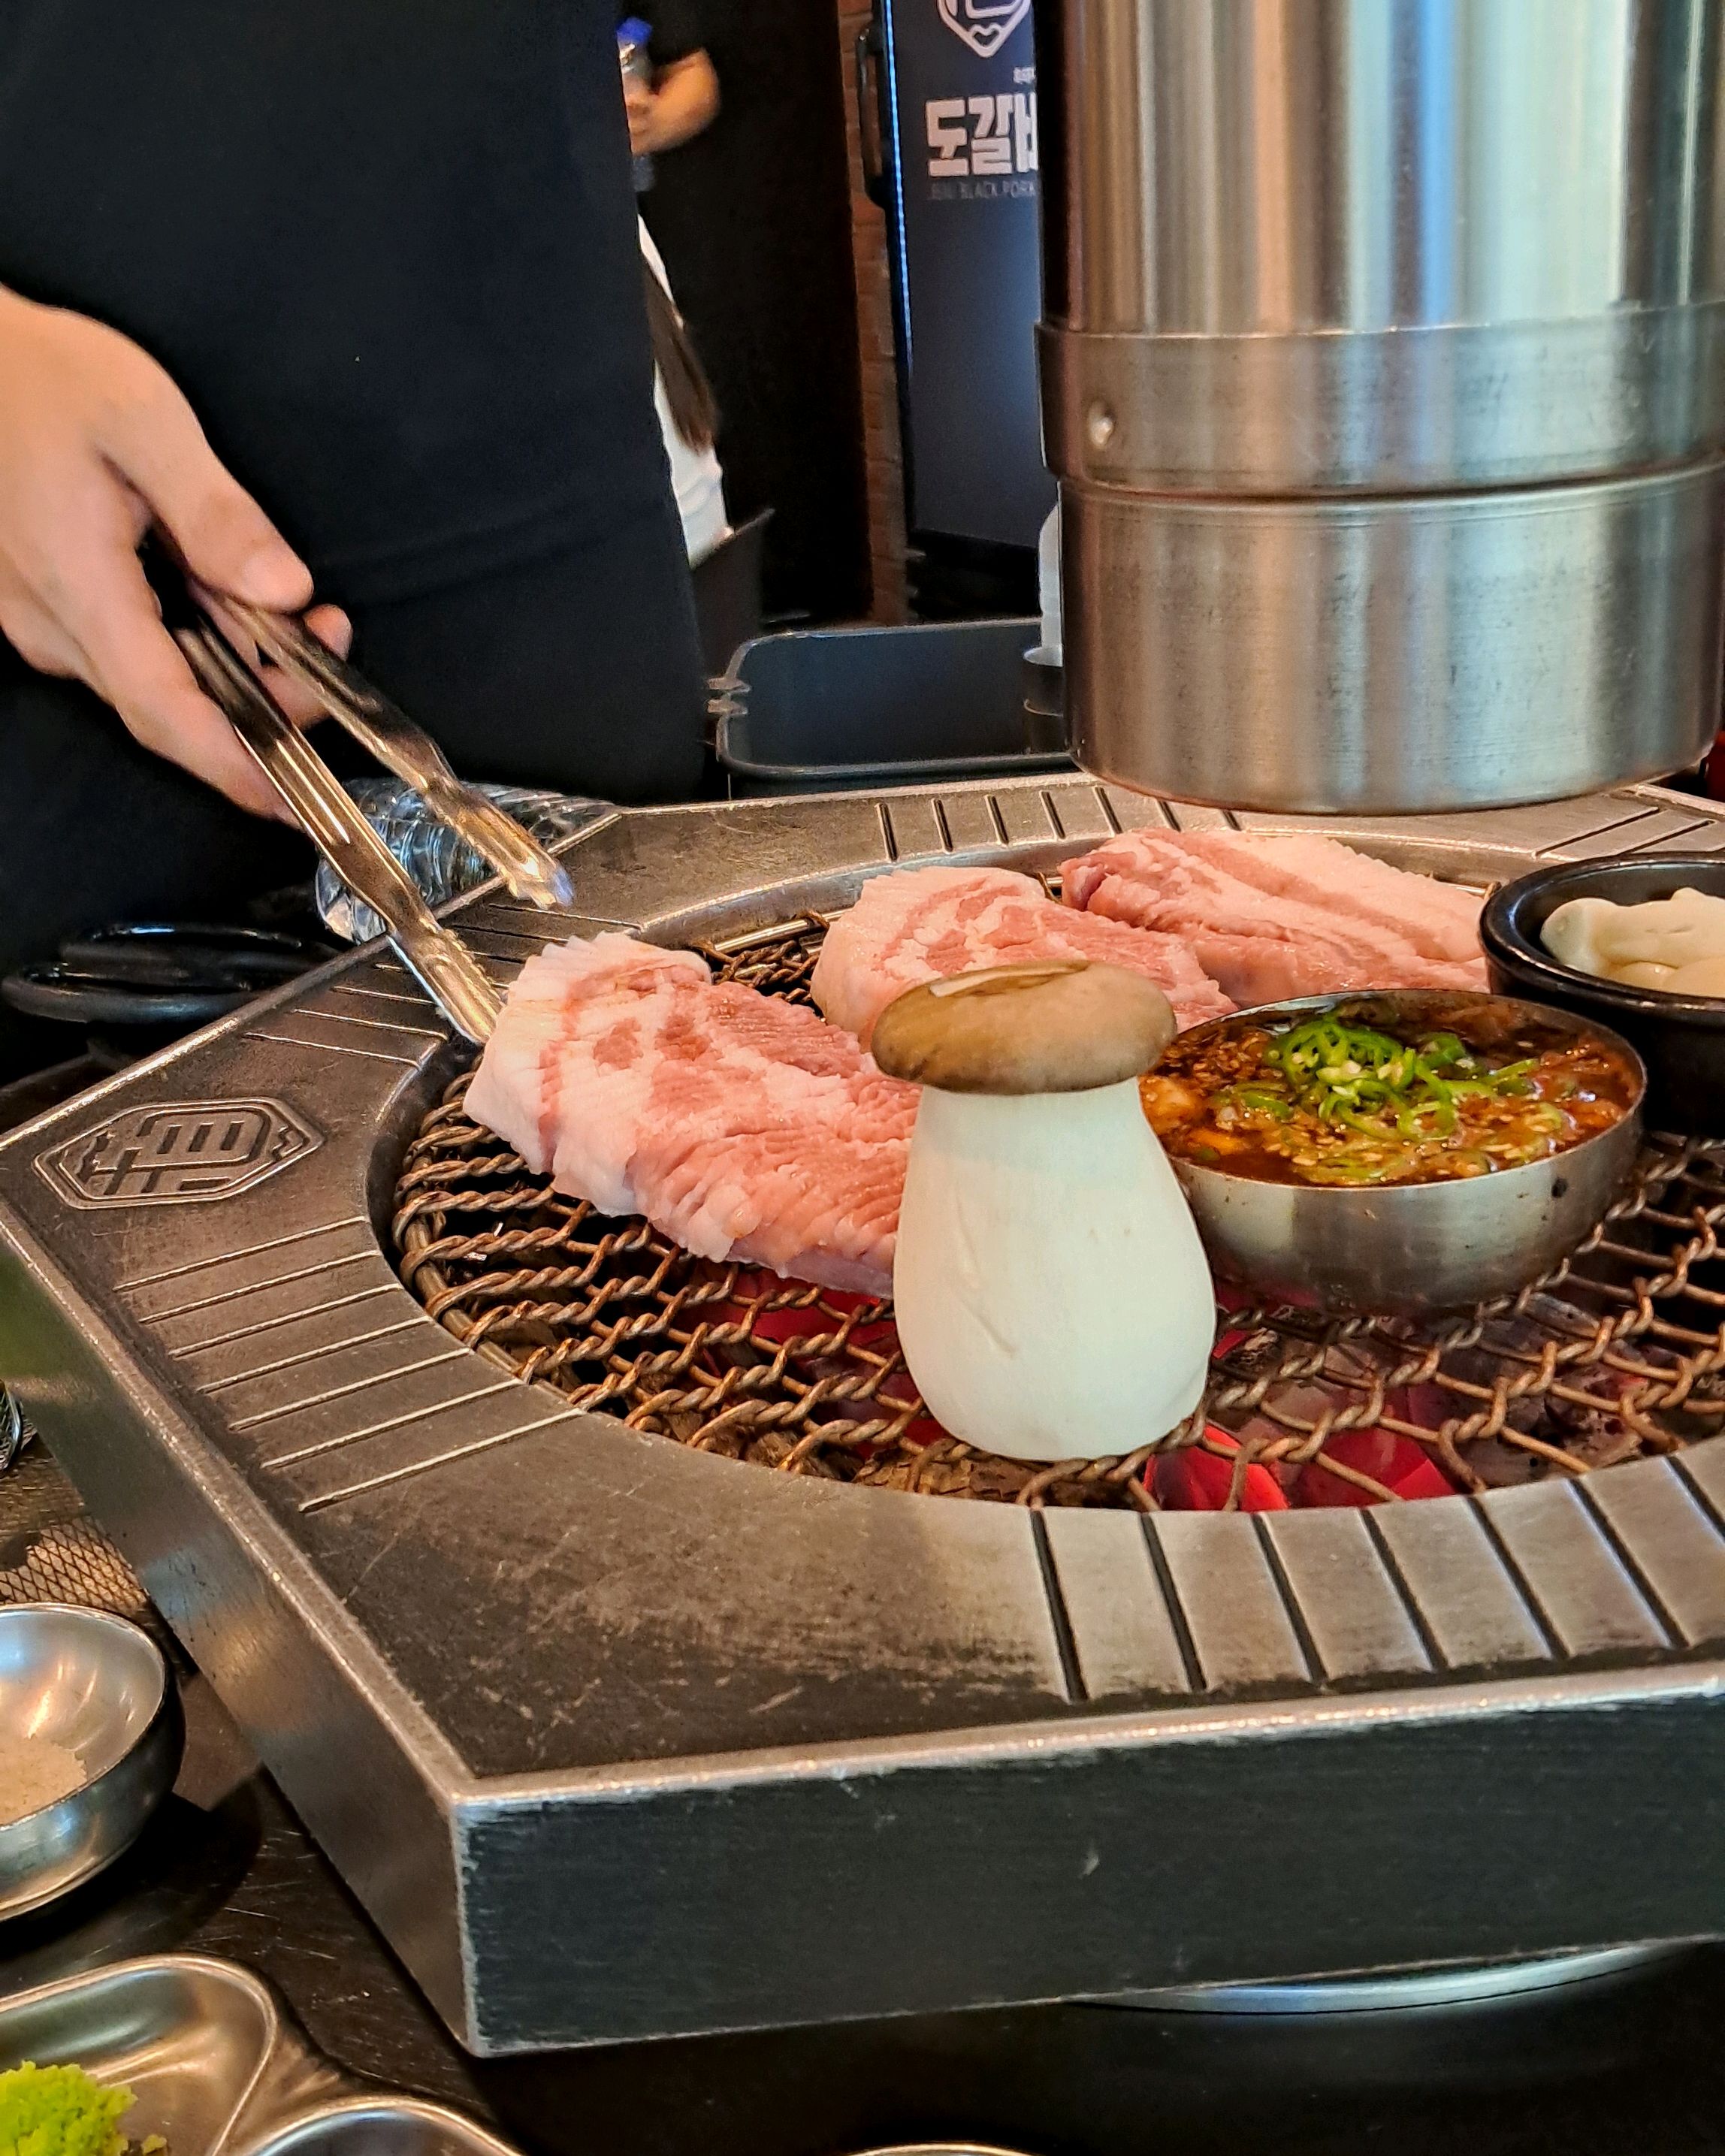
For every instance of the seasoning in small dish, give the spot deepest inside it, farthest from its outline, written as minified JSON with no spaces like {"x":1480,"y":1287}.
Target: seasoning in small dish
{"x":34,"y":1772}
{"x":1337,"y":1096}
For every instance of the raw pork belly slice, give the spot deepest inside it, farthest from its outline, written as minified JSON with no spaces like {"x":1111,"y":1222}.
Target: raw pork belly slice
{"x":916,"y":925}
{"x":1273,"y":915}
{"x":1440,"y":919}
{"x":741,"y":1126}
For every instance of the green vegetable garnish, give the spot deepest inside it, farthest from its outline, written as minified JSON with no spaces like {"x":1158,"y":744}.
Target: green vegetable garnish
{"x":59,"y":2111}
{"x":1372,"y":1107}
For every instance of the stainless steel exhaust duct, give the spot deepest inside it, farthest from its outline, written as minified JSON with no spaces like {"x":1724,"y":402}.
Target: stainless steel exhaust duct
{"x":1383,"y":373}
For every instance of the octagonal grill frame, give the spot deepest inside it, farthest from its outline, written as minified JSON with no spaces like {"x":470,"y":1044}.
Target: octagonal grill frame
{"x":616,"y":1740}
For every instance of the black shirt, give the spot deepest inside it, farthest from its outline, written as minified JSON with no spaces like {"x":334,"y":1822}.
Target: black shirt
{"x":673,"y":30}
{"x":387,"y":247}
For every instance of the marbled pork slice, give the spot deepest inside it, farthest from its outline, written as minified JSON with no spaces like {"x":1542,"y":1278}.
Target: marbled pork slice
{"x":741,"y":1125}
{"x":916,"y":925}
{"x":577,"y":1015}
{"x":1440,"y":919}
{"x":1262,"y":946}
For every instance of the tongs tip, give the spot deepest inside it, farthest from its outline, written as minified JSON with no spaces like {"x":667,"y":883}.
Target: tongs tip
{"x":545,"y":884}
{"x":528,"y":871}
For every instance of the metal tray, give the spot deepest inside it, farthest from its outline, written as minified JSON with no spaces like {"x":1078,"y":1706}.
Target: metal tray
{"x":203,"y":2046}
{"x":217,"y":2066}
{"x":815,"y":709}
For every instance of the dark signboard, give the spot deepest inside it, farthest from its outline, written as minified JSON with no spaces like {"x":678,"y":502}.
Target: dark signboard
{"x":962,"y":165}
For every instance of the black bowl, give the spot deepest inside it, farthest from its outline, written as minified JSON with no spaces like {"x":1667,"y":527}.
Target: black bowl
{"x":1682,"y":1039}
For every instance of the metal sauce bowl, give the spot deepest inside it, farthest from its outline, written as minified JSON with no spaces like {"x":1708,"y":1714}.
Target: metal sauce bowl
{"x":1681,"y":1039}
{"x":98,"y":1685}
{"x":1416,"y":1247}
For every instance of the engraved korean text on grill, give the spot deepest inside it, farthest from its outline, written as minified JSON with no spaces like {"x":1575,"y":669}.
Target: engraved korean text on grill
{"x":177,"y":1153}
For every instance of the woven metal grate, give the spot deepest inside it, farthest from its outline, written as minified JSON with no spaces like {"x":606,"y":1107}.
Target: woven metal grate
{"x":51,"y":1551}
{"x":1619,"y":1352}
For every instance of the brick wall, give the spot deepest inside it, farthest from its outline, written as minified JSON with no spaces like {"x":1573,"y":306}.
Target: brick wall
{"x":874,"y":314}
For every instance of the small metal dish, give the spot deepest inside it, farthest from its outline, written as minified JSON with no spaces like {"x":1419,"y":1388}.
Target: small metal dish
{"x":1680,"y":1038}
{"x":1420,"y":1247}
{"x":199,"y":2042}
{"x":98,"y":1685}
{"x":382,"y":2126}
{"x":941,"y":2148}
{"x":217,"y":2067}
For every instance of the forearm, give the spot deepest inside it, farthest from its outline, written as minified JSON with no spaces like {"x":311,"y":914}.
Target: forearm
{"x":685,"y":97}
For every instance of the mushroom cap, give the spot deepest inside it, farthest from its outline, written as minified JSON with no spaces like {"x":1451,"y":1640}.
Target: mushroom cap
{"x":1060,"y":1025}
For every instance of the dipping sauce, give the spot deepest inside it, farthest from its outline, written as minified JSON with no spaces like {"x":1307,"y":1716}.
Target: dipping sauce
{"x":1330,"y":1099}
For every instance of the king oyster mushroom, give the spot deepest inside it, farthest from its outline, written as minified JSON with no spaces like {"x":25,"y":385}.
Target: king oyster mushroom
{"x":1052,"y":1296}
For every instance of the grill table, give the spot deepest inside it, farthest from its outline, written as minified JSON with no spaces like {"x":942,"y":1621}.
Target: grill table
{"x":615,"y":1739}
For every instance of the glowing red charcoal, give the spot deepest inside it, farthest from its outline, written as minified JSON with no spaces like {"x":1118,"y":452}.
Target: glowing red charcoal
{"x":1401,"y":1464}
{"x":823,"y":1316}
{"x":1192,"y":1479}
{"x":1197,"y":1479}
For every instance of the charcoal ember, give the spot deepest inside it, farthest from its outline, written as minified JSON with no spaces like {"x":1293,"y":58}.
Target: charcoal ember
{"x":1201,"y":1477}
{"x":1242,"y":1357}
{"x":1604,"y":1445}
{"x":1502,"y":1466}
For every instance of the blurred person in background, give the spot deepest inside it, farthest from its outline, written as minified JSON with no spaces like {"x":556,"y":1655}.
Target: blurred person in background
{"x":688,"y":416}
{"x":676,"y":94}
{"x":670,"y":92}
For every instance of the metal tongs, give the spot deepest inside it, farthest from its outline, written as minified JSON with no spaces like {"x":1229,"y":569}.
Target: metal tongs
{"x":398,"y":745}
{"x":210,"y":631}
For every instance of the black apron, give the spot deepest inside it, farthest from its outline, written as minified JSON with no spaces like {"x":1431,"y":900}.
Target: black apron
{"x":388,"y":250}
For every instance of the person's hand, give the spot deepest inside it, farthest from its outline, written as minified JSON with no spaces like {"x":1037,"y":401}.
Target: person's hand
{"x":640,"y":103}
{"x":97,"y":445}
{"x":682,"y":101}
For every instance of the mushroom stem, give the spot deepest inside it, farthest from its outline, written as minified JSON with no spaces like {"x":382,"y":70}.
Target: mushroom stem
{"x":1052,"y":1296}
